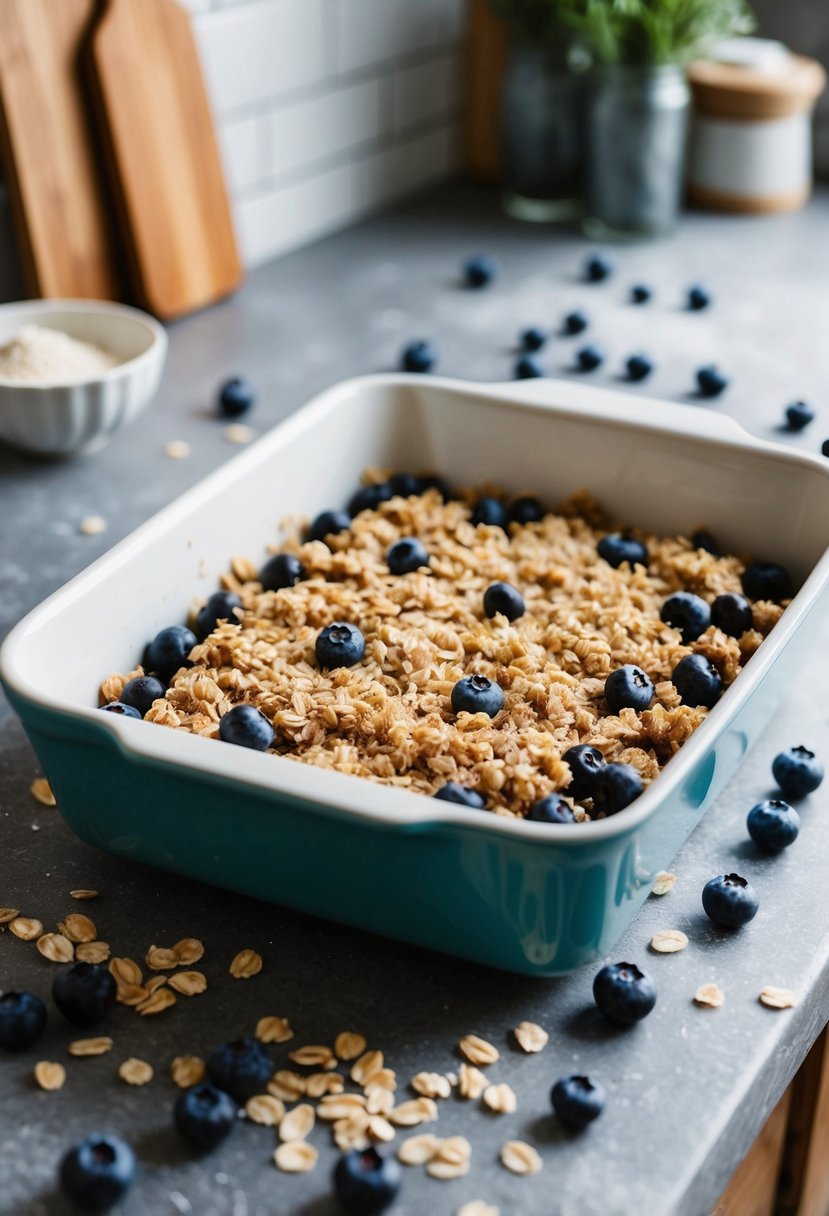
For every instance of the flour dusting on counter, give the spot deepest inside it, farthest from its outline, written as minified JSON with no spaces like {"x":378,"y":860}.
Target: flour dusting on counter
{"x":38,"y":355}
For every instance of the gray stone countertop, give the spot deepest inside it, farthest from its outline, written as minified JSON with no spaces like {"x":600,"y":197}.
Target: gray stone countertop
{"x":689,"y":1088}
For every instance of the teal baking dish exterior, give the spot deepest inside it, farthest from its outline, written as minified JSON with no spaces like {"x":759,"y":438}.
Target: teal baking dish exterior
{"x":531,"y":898}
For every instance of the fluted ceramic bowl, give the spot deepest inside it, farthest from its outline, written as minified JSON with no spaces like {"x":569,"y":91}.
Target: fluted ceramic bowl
{"x":64,"y":418}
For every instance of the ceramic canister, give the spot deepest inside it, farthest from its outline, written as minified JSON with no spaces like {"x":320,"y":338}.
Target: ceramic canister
{"x":751,"y":145}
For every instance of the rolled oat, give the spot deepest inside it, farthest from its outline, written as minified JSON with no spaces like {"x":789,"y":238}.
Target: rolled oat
{"x":471,"y":1082}
{"x":27,"y":928}
{"x":41,"y":791}
{"x":531,"y":1037}
{"x":136,"y":1072}
{"x":78,"y":928}
{"x":477,"y":1050}
{"x":92,"y":952}
{"x":664,"y":882}
{"x":348,"y":1045}
{"x":710,"y":995}
{"x":431,"y":1085}
{"x":274,"y":1030}
{"x":777,"y":998}
{"x":296,"y":1157}
{"x":668,"y":941}
{"x":50,"y":1076}
{"x":298,"y":1123}
{"x":500,"y":1099}
{"x":188,"y":983}
{"x":187,"y":1071}
{"x":245,"y":964}
{"x":56,"y":947}
{"x":265,"y":1109}
{"x":520,"y":1158}
{"x":90,"y":1047}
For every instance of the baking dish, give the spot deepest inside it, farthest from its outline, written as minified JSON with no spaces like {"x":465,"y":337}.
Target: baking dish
{"x":528,"y":897}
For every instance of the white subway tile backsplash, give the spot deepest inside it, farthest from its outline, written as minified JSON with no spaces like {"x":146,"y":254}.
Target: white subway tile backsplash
{"x":239,"y":140}
{"x":424,"y":90}
{"x":319,"y":127}
{"x":374,"y":31}
{"x":255,"y":51}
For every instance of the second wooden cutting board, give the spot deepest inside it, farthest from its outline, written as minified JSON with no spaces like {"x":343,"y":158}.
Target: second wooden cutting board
{"x":163,"y":156}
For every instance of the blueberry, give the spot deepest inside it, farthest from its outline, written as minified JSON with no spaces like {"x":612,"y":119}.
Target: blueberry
{"x":528,"y":368}
{"x":366,"y":1182}
{"x":623,"y":992}
{"x":534,"y":338}
{"x":328,"y":523}
{"x":168,"y":651}
{"x":628,"y":688}
{"x":462,"y":794}
{"x":773,"y":825}
{"x":589,"y":358}
{"x":698,"y":298}
{"x":597,"y":268}
{"x":728,"y":900}
{"x":797,"y":771}
{"x":246,"y":726}
{"x":477,"y":695}
{"x":98,"y":1171}
{"x":732,"y":614}
{"x":552,"y":809}
{"x":22,"y":1020}
{"x":766,"y":581}
{"x":638,"y":367}
{"x":490,"y":511}
{"x":702,"y":539}
{"x":526,"y":510}
{"x":141,"y":692}
{"x":241,"y":1069}
{"x":118,"y":707}
{"x":340,"y":645}
{"x":799,"y":415}
{"x":205,"y":1116}
{"x":503,"y":599}
{"x":368,"y":498}
{"x":282,"y":570}
{"x":574,"y":323}
{"x":585,"y":763}
{"x":419,"y":356}
{"x":711,"y":381}
{"x":824,"y":448}
{"x":236,"y":397}
{"x":640,"y":293}
{"x":619,"y":547}
{"x":577,"y":1101}
{"x":84,"y":993}
{"x":220,"y":606}
{"x":688,"y":613}
{"x":406,"y":485}
{"x":480,"y":271}
{"x":432,"y":481}
{"x":697,"y":681}
{"x":615,"y":787}
{"x":406,"y":555}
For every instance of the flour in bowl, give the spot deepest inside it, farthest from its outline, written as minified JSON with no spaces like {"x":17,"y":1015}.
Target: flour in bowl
{"x":37,"y":355}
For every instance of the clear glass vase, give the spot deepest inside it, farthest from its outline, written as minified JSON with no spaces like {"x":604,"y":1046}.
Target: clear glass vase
{"x":637,"y":122}
{"x":542,"y":116}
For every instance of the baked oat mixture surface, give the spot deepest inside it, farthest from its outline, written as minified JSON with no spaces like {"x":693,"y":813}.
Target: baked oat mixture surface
{"x":389,"y":717}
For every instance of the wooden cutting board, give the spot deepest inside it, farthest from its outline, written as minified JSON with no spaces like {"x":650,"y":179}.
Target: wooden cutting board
{"x":66,"y":247}
{"x":163,"y":156}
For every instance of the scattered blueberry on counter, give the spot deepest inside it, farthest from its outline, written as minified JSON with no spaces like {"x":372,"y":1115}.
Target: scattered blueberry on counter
{"x":22,"y":1020}
{"x":368,"y":498}
{"x":527,"y":367}
{"x":204,"y":1116}
{"x":731,"y":613}
{"x":552,"y":809}
{"x":577,"y":1101}
{"x":97,"y":1172}
{"x":490,"y":511}
{"x":711,"y":381}
{"x":688,"y":613}
{"x":638,"y":367}
{"x":640,"y":293}
{"x":340,"y":645}
{"x":477,"y":695}
{"x":406,"y":555}
{"x":619,"y":547}
{"x":773,"y":825}
{"x":729,"y":901}
{"x":766,"y":581}
{"x":220,"y":606}
{"x":697,"y":681}
{"x":503,"y":599}
{"x":799,"y":415}
{"x":84,"y":993}
{"x":140,"y":693}
{"x":328,"y":523}
{"x":169,"y":651}
{"x":589,"y":358}
{"x":246,"y":726}
{"x":628,"y":688}
{"x":533,"y":338}
{"x":698,"y":298}
{"x":615,"y":787}
{"x":280,"y":571}
{"x":236,"y":397}
{"x":574,"y":323}
{"x":585,"y":763}
{"x":124,"y":711}
{"x":597,"y":268}
{"x":824,"y":448}
{"x":419,"y":356}
{"x":366,"y":1182}
{"x":461,"y":794}
{"x":242,"y":1068}
{"x":526,"y":510}
{"x":797,"y":771}
{"x":480,"y":271}
{"x":624,"y":993}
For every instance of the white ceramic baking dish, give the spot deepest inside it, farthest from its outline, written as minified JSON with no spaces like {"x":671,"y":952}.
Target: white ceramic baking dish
{"x":525,"y":896}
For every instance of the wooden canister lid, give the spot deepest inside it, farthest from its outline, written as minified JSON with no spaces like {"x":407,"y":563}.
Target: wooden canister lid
{"x":728,"y":90}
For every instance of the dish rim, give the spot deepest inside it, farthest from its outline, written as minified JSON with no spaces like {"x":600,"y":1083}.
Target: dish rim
{"x":360,"y":798}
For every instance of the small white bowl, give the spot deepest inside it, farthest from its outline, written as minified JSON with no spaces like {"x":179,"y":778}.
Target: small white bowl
{"x":62,"y":419}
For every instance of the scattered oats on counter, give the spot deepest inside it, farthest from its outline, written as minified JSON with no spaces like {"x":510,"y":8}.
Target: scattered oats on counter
{"x":431,"y":1085}
{"x":478,"y":1051}
{"x":187,"y":1070}
{"x":664,"y":882}
{"x":709,"y":995}
{"x":777,"y":998}
{"x":49,"y":1075}
{"x":500,"y":1099}
{"x":56,"y":948}
{"x":159,"y":958}
{"x":298,"y":1123}
{"x":188,"y":983}
{"x":92,"y":525}
{"x":41,"y":791}
{"x":530,"y":1037}
{"x":188,"y":951}
{"x":477,"y":1207}
{"x":520,"y":1158}
{"x":237,"y":432}
{"x":313,"y":1056}
{"x":136,"y":1072}
{"x":276,"y":1030}
{"x":471,"y":1082}
{"x":245,"y":964}
{"x":92,"y":952}
{"x":83,"y":893}
{"x":97,"y":1046}
{"x":668,"y":941}
{"x":413,"y":1112}
{"x":451,"y":1159}
{"x":78,"y":928}
{"x":295,"y":1157}
{"x":156,"y":1002}
{"x":369,"y":1063}
{"x":177,"y":449}
{"x":265,"y":1109}
{"x":348,"y":1045}
{"x":288,"y":1086}
{"x":27,"y":928}
{"x":417,"y":1150}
